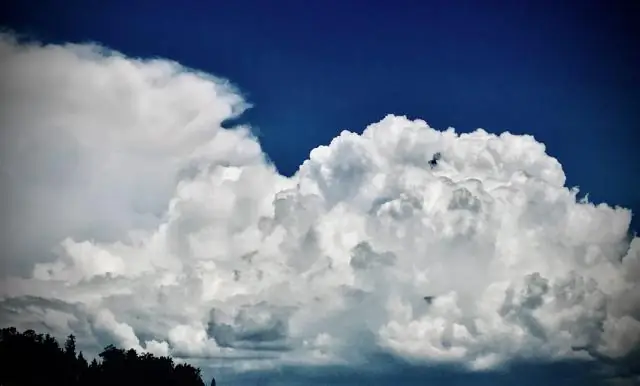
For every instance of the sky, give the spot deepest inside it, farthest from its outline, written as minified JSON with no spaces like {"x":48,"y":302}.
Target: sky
{"x":177,"y":179}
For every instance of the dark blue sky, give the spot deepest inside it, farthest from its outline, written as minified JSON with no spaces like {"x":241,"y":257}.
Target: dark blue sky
{"x":565,"y":72}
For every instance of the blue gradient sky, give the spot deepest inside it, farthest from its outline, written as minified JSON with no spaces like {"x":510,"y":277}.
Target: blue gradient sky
{"x":565,"y":72}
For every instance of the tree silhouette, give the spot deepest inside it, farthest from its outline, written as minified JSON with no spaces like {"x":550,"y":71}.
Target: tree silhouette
{"x":30,"y":359}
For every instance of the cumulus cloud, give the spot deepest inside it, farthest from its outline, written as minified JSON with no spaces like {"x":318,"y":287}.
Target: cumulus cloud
{"x":89,"y":146}
{"x":133,"y":217}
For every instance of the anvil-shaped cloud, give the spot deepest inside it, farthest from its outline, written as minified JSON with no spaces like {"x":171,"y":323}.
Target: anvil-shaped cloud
{"x":130,"y":215}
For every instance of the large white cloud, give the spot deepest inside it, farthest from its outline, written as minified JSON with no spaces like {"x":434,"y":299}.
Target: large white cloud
{"x":142,"y":221}
{"x":89,"y":145}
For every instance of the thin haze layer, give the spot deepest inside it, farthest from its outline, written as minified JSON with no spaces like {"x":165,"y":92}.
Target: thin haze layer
{"x":132,"y":216}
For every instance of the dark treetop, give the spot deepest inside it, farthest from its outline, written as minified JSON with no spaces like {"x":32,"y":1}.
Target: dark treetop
{"x":29,"y":358}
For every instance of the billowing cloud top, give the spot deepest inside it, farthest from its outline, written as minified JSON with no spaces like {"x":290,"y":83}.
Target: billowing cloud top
{"x":131,"y":216}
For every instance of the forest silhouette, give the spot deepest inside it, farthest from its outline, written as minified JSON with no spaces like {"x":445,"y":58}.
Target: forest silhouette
{"x":32,"y":359}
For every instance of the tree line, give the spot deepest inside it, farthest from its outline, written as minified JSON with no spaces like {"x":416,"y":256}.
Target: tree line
{"x":31,"y":359}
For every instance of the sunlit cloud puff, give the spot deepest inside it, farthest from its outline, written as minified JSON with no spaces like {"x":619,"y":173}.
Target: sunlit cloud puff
{"x":131,"y":216}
